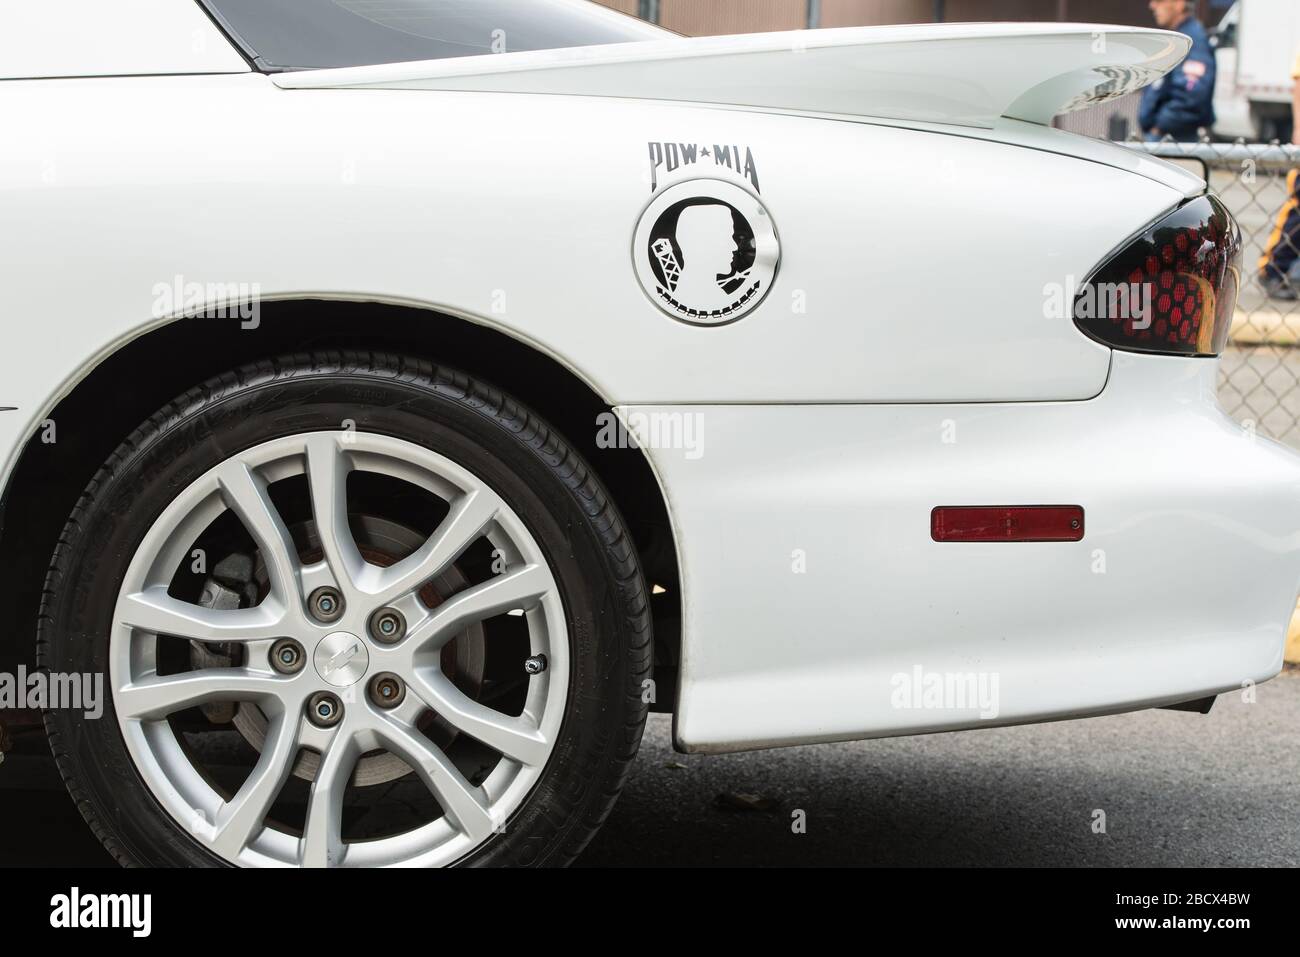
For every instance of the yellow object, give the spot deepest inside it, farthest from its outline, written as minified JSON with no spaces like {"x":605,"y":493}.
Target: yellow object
{"x":1283,"y":215}
{"x":1292,"y":653}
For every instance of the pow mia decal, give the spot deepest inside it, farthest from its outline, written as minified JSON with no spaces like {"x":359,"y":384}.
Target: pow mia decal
{"x":670,"y":157}
{"x":706,"y":251}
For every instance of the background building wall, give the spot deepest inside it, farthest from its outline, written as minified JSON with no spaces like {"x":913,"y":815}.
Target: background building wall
{"x":853,"y":13}
{"x":623,"y":6}
{"x":699,"y":17}
{"x":704,"y":17}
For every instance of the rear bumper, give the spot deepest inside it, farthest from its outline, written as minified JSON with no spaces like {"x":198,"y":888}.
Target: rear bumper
{"x":811,"y":582}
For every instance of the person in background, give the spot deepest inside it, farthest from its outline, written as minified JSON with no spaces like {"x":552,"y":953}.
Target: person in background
{"x":1283,"y":247}
{"x":1180,"y":104}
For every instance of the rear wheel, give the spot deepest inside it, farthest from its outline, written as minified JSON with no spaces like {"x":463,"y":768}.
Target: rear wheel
{"x":353,"y":611}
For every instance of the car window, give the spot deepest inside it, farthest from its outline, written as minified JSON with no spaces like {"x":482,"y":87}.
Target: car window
{"x":309,"y":34}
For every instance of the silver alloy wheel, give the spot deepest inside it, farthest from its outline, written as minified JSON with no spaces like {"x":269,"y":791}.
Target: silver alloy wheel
{"x":236,"y":828}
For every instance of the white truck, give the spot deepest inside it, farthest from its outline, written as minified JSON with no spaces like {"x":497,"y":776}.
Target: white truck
{"x":1256,"y":46}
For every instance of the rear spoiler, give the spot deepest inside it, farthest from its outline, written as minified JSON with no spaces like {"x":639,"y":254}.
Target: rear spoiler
{"x":961,"y":74}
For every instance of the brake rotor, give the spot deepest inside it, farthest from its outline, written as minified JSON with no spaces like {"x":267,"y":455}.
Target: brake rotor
{"x":381,"y":542}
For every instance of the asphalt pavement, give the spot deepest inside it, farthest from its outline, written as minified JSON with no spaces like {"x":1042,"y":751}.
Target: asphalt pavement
{"x":1176,"y":789}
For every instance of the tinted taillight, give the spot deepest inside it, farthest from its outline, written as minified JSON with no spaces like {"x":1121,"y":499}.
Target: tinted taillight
{"x":1171,"y":290}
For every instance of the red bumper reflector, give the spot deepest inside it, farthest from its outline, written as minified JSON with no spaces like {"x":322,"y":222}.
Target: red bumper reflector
{"x":1007,"y":523}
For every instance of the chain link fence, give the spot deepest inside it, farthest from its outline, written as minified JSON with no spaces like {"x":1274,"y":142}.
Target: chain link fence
{"x":1259,"y":381}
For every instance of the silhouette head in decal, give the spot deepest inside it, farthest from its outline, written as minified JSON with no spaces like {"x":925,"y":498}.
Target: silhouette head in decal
{"x":697,"y":253}
{"x":706,"y":237}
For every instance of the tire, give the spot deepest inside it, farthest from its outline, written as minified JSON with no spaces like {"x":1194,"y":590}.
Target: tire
{"x":564,"y":511}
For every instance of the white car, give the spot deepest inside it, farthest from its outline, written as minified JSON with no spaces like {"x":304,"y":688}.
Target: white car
{"x":406,"y":397}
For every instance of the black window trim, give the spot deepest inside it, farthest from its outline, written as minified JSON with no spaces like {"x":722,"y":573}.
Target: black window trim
{"x":250,"y":55}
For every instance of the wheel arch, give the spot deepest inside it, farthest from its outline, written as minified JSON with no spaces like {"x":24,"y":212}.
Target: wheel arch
{"x":130,"y":383}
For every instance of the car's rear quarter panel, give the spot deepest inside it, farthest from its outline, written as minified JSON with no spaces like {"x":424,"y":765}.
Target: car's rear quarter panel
{"x":812,"y":580}
{"x":913,"y":263}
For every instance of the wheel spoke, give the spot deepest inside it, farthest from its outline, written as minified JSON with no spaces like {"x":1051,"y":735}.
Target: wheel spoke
{"x":515,"y":589}
{"x":155,"y":611}
{"x":518,"y":738}
{"x":327,"y":477}
{"x":322,"y":835}
{"x":469,"y":515}
{"x":244,"y":814}
{"x":246,"y":495}
{"x":460,"y":800}
{"x":238,"y":822}
{"x":156,"y":698}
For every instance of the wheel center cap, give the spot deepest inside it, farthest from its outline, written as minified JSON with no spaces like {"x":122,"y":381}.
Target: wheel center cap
{"x":341,"y":659}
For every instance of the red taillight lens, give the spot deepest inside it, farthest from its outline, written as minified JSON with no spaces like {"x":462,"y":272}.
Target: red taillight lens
{"x":1172,"y":290}
{"x":1007,"y":523}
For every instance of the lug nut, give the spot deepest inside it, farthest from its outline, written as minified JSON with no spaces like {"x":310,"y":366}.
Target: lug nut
{"x":535,"y":665}
{"x":324,"y":709}
{"x":287,"y":656}
{"x":387,"y":625}
{"x":326,"y":604}
{"x":387,"y":690}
